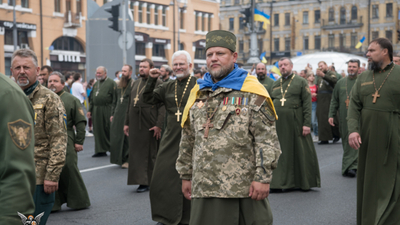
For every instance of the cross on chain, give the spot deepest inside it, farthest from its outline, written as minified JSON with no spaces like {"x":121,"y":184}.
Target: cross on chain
{"x":283,"y":100}
{"x":207,"y":127}
{"x":136,"y":99}
{"x":376,"y":95}
{"x":347,"y":102}
{"x":122,"y":99}
{"x":177,"y":114}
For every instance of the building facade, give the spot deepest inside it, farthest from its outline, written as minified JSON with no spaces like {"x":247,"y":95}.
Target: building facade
{"x":55,"y":31}
{"x":302,"y":27}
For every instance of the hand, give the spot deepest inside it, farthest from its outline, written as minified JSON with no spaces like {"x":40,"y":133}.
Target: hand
{"x":258,"y":191}
{"x":355,"y":140}
{"x":187,"y":189}
{"x":313,"y":94}
{"x":50,"y":186}
{"x":320,"y":73}
{"x":89,"y":115}
{"x":306,"y":131}
{"x":157,"y":132}
{"x":126,"y":130}
{"x":155,"y":73}
{"x":330,"y":120}
{"x":78,"y":147}
{"x":111,"y":119}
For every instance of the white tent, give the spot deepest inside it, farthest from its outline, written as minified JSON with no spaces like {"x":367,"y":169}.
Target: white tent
{"x":339,"y":60}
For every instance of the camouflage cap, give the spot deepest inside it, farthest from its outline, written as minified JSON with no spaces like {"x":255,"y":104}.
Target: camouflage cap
{"x":221,"y":38}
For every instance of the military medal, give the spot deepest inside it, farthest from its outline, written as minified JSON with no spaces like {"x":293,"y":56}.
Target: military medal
{"x":225,"y":102}
{"x":245,"y":102}
{"x":200,"y":104}
{"x":238,"y":102}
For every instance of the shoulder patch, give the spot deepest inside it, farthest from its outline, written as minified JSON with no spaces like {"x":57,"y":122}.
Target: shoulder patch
{"x":21,"y":133}
{"x":259,"y":101}
{"x":308,"y":89}
{"x":38,"y":106}
{"x":333,"y":75}
{"x":268,"y":112}
{"x":367,"y":83}
{"x":81,"y":111}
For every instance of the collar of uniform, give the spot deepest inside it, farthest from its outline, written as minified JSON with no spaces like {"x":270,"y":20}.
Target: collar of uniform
{"x":289,"y":76}
{"x":34,"y":91}
{"x":352,"y":77}
{"x":183,"y":81}
{"x":60,"y":92}
{"x":31,"y":88}
{"x":261,"y":79}
{"x":143,"y":78}
{"x":216,"y":92}
{"x":389,"y":66}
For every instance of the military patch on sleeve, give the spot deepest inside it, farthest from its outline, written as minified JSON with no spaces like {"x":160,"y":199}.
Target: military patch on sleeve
{"x":21,"y":133}
{"x":38,"y":106}
{"x":268,"y":112}
{"x":81,"y":111}
{"x":259,"y":101}
{"x":308,"y":89}
{"x":65,"y":120}
{"x":333,"y":75}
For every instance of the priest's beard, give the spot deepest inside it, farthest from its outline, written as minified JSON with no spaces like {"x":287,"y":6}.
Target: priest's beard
{"x":375,"y":66}
{"x":285,"y":74}
{"x":221,"y":73}
{"x":123,"y":82}
{"x":261,"y":76}
{"x":182,"y":74}
{"x":53,"y":88}
{"x":23,"y":84}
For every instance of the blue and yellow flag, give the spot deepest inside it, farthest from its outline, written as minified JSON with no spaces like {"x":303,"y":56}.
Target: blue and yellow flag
{"x":360,"y":42}
{"x":262,"y":57}
{"x":65,"y":120}
{"x":260,"y":16}
{"x":275,"y":69}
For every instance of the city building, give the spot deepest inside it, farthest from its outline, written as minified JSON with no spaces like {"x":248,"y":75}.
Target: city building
{"x":54,"y":30}
{"x":302,"y":27}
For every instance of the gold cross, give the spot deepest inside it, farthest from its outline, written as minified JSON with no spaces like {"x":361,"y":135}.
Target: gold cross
{"x":283,"y":100}
{"x":347,"y":102}
{"x":122,"y":99}
{"x":136,"y":99}
{"x":207,"y":125}
{"x":376,"y":95}
{"x":177,"y":114}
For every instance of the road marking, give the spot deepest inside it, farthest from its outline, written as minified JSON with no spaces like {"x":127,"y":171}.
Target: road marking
{"x":97,"y":168}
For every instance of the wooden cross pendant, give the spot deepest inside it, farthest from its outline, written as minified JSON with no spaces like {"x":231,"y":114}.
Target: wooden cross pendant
{"x":283,"y":100}
{"x":136,"y":99}
{"x":347,"y":102}
{"x":177,"y":114}
{"x":207,"y":125}
{"x":122,"y":99}
{"x":376,"y":95}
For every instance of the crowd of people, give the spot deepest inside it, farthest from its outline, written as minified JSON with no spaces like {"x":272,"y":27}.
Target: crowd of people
{"x":209,"y":145}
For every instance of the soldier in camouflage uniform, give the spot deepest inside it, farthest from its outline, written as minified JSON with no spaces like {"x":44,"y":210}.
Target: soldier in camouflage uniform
{"x":229,"y":144}
{"x":50,"y":130}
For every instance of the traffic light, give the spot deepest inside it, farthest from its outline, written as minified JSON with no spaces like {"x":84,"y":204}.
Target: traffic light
{"x":246,"y":12}
{"x":114,"y":10}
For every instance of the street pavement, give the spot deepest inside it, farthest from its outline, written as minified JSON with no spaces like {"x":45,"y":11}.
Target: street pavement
{"x":114,"y":202}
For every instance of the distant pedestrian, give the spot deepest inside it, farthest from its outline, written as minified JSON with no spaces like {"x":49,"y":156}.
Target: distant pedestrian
{"x":314,"y":101}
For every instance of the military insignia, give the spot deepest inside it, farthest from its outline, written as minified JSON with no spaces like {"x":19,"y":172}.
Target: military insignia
{"x":21,"y":133}
{"x":210,"y":112}
{"x":200,"y":104}
{"x":81,"y":111}
{"x":224,"y":108}
{"x":244,"y":111}
{"x":30,"y":220}
{"x":237,"y":110}
{"x":308,"y":89}
{"x":367,"y":83}
{"x":268,"y":112}
{"x":65,"y":120}
{"x":38,"y":106}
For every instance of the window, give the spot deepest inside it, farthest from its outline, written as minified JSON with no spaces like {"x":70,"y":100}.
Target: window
{"x":158,"y":50}
{"x":342,"y":15}
{"x":331,"y":40}
{"x":317,"y":42}
{"x":200,"y":53}
{"x":389,"y":35}
{"x":287,"y":19}
{"x":375,"y":11}
{"x":68,"y":5}
{"x":276,"y":44}
{"x":306,"y":43}
{"x":164,"y":17}
{"x":209,"y":22}
{"x":24,"y":3}
{"x":353,"y":40}
{"x":375,"y":35}
{"x":148,"y":14}
{"x":241,"y":23}
{"x":181,"y":46}
{"x":276,"y":20}
{"x":22,"y":37}
{"x":203,"y":22}
{"x":305,"y":17}
{"x":7,"y":64}
{"x":57,"y":6}
{"x":287,"y":44}
{"x":78,"y":6}
{"x":140,"y":48}
{"x":331,"y":14}
{"x":354,"y":12}
{"x":342,"y":40}
{"x":231,"y":23}
{"x":182,"y":18}
{"x":317,"y":14}
{"x":237,"y":2}
{"x":260,"y":44}
{"x":260,"y":25}
{"x":67,"y":44}
{"x":240,"y":46}
{"x":156,"y":16}
{"x":140,"y":12}
{"x":389,"y":9}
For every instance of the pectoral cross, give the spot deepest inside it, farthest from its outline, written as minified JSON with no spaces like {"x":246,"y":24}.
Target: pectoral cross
{"x":207,"y":125}
{"x":122,"y":99}
{"x":177,"y":114}
{"x":97,"y":92}
{"x":347,"y":102}
{"x":376,"y":95}
{"x":283,"y":100}
{"x":136,"y":99}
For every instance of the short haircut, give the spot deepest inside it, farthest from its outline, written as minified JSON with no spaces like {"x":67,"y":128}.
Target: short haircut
{"x":197,"y":71}
{"x":284,"y":58}
{"x":48,"y":68}
{"x":182,"y":52}
{"x":151,"y":64}
{"x":354,"y":61}
{"x":167,"y":68}
{"x":69,"y":74}
{"x":322,"y":62}
{"x":130,"y":67}
{"x":116,"y":73}
{"x":62,"y":78}
{"x":103,"y":68}
{"x":77,"y":76}
{"x":25,"y":53}
{"x":385,"y":43}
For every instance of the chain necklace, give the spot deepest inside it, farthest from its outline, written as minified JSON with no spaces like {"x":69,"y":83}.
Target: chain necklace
{"x":99,"y":85}
{"x":376,"y":95}
{"x":178,"y":113}
{"x":283,"y":99}
{"x":136,"y":99}
{"x":122,"y":93}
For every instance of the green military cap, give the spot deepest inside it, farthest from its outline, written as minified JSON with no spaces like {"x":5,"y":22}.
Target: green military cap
{"x":221,"y":38}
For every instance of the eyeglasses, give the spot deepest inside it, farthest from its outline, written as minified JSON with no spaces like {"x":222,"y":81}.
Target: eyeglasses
{"x":179,"y":64}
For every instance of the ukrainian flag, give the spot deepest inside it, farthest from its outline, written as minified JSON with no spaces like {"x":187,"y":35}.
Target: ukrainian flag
{"x":262,"y":57}
{"x":360,"y":42}
{"x":261,"y":17}
{"x":275,"y":69}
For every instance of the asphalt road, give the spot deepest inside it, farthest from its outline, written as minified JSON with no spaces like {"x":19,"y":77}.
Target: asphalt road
{"x":114,"y":202}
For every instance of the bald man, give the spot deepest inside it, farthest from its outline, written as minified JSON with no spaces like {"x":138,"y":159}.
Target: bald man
{"x":261,"y":72}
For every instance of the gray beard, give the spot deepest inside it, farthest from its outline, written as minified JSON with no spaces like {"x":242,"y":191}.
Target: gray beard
{"x":219,"y":75}
{"x":352,"y":74}
{"x":286,"y":74}
{"x":23,"y":85}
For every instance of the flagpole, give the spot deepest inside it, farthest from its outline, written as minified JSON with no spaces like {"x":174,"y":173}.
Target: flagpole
{"x":253,"y":38}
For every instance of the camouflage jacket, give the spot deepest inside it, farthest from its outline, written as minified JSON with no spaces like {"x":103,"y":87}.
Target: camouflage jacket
{"x":50,"y":134}
{"x":242,"y":144}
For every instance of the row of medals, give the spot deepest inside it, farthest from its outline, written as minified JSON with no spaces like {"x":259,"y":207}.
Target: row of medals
{"x":237,"y":101}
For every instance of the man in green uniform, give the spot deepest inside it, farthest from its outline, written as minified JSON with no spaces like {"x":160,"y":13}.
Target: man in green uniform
{"x":17,"y":141}
{"x":71,"y":188}
{"x":298,"y":164}
{"x":166,"y":72}
{"x":168,"y":205}
{"x":44,"y":73}
{"x":326,"y":81}
{"x":143,"y":123}
{"x":340,"y":101}
{"x":50,"y":130}
{"x":261,"y":72}
{"x":229,"y":144}
{"x":119,"y":141}
{"x":374,"y":128}
{"x":100,"y":111}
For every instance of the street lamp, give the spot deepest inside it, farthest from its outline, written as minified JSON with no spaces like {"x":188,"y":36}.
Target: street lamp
{"x":173,"y":16}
